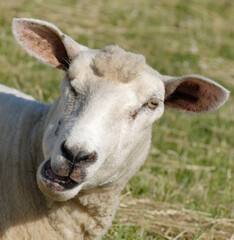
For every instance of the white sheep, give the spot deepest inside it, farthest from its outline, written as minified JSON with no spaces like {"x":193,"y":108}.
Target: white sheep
{"x":82,"y":149}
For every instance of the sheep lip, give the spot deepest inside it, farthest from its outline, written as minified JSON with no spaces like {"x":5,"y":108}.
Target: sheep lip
{"x":61,"y":183}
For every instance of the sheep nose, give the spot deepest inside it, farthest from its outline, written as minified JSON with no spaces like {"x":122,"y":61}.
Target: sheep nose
{"x":77,"y":156}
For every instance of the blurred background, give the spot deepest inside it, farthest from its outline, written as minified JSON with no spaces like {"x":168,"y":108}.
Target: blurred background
{"x":186,"y":188}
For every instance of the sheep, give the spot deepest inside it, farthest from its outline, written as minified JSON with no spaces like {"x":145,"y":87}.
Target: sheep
{"x":64,"y":165}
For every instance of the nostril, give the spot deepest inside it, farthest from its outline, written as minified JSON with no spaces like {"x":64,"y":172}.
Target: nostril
{"x":67,"y":153}
{"x":75,"y":157}
{"x":87,"y":157}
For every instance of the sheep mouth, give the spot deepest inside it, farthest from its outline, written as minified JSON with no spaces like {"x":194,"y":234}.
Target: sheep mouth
{"x":60,"y":183}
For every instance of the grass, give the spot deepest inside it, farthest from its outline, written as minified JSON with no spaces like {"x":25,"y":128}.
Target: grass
{"x":189,"y":171}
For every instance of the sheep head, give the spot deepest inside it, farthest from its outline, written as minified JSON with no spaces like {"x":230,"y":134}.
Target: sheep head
{"x":98,"y":132}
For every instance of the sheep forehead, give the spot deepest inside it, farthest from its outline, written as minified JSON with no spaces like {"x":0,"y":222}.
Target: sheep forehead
{"x":114,"y":63}
{"x":115,"y":68}
{"x":110,"y":63}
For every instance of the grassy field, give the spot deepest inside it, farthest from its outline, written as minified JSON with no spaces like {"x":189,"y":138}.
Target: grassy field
{"x":186,"y":188}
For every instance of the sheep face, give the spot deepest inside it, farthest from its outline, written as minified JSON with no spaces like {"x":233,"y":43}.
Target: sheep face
{"x":98,"y":132}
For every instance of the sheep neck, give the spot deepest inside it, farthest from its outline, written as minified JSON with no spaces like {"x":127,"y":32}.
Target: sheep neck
{"x":88,"y":216}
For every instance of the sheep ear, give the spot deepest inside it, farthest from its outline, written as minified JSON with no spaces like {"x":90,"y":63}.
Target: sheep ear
{"x":193,"y":93}
{"x":45,"y":42}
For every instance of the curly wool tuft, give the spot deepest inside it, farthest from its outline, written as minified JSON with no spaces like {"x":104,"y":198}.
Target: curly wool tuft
{"x":114,"y":63}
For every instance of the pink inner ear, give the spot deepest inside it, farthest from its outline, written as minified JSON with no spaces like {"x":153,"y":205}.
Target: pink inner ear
{"x":42,"y":43}
{"x":194,"y":95}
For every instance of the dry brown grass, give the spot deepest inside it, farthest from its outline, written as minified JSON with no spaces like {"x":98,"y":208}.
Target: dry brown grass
{"x":173,"y":221}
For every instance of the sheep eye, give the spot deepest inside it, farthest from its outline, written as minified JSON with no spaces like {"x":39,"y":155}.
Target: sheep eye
{"x":152,"y":104}
{"x":72,"y":90}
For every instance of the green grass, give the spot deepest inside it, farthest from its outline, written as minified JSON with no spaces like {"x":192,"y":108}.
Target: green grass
{"x":191,"y":160}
